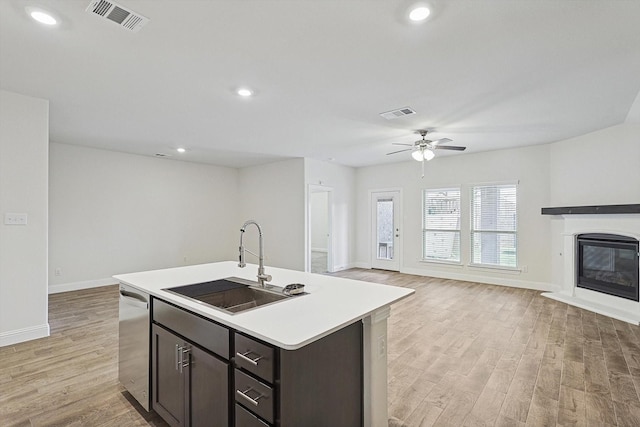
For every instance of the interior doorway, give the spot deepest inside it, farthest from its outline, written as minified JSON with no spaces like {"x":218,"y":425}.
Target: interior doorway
{"x":320,"y":242}
{"x":385,"y":230}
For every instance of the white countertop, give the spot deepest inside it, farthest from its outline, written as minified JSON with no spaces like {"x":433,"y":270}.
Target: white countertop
{"x":331,"y":304}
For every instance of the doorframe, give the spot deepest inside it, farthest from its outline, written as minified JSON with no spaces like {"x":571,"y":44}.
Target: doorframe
{"x":398,"y":250}
{"x":315,"y":188}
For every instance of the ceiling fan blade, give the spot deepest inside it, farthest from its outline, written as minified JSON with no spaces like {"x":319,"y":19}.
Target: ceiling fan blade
{"x":449,"y":147}
{"x":400,"y":151}
{"x":402,"y":143}
{"x":441,"y":141}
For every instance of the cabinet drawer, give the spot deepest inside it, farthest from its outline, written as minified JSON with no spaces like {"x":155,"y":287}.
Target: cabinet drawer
{"x":245,"y":418}
{"x":254,"y":395}
{"x":254,"y":357}
{"x":207,"y":334}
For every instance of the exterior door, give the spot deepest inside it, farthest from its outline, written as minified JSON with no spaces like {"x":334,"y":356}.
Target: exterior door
{"x":385,"y":230}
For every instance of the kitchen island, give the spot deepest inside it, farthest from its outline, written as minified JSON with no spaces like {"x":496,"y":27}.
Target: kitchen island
{"x":329,"y":306}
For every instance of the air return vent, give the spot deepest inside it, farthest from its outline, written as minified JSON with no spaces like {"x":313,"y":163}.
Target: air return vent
{"x":400,"y":112}
{"x":125,"y":18}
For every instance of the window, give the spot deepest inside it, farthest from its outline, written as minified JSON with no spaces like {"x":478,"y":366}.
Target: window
{"x":494,"y":225}
{"x":441,"y":225}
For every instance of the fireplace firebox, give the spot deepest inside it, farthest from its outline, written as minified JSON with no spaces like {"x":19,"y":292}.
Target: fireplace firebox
{"x":608,"y":263}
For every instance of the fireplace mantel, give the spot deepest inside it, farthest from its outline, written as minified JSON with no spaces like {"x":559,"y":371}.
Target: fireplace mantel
{"x":591,"y":210}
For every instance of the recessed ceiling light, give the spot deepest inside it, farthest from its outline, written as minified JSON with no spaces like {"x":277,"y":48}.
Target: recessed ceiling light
{"x":42,"y":17}
{"x":181,"y":150}
{"x":244,"y":92}
{"x":419,"y":13}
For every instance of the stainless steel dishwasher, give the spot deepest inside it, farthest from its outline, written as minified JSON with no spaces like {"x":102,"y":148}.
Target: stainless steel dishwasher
{"x":133,"y":360}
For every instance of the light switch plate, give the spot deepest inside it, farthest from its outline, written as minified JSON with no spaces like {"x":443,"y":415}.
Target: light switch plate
{"x":15,"y":219}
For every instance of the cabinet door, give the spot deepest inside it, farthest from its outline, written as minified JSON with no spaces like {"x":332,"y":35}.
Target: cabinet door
{"x":167,"y":376}
{"x":207,"y":381}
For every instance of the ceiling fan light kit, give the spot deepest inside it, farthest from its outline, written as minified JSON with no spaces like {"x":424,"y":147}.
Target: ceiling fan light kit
{"x":423,"y":154}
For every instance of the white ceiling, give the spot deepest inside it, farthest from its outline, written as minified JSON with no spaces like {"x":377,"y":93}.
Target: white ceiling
{"x":488,"y":74}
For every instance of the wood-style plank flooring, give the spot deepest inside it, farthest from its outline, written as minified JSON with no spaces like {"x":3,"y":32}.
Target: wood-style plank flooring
{"x":460,"y":354}
{"x":469,"y":354}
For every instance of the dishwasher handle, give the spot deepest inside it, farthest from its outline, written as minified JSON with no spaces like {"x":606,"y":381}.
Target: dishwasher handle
{"x":134,"y":299}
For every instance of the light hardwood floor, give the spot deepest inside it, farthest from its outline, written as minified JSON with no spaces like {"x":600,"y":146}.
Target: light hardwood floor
{"x":460,"y":354}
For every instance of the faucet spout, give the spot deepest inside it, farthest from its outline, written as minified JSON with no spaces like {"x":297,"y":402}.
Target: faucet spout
{"x":262,"y":277}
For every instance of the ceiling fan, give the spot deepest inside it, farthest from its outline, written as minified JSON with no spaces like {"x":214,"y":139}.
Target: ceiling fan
{"x":423,"y":149}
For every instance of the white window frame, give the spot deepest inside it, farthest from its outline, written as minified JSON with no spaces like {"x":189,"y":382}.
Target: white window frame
{"x":457,"y":230}
{"x":472,"y":230}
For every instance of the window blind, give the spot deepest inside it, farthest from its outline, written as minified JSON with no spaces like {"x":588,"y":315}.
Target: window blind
{"x":441,"y":225}
{"x":494,"y":224}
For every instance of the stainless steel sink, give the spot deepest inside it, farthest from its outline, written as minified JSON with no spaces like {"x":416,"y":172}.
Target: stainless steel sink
{"x":232,"y":294}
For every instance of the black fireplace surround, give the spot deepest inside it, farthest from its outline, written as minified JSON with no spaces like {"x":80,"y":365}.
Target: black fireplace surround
{"x":608,"y":263}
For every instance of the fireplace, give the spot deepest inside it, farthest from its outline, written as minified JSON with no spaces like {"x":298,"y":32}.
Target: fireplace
{"x":599,"y":228}
{"x":607,"y":263}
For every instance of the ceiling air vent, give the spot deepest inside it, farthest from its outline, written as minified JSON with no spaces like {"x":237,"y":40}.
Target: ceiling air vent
{"x":126,"y":18}
{"x":400,"y":112}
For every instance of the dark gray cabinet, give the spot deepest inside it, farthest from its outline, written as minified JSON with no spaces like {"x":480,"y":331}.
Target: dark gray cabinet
{"x":167,"y":380}
{"x":204,"y":374}
{"x":317,"y":385}
{"x":190,"y":386}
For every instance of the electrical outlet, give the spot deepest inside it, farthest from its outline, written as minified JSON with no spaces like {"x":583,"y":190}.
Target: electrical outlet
{"x":525,"y":269}
{"x":57,"y":271}
{"x":15,"y":219}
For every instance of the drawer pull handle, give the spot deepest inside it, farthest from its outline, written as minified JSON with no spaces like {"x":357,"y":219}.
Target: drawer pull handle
{"x":245,"y":356}
{"x":251,"y":400}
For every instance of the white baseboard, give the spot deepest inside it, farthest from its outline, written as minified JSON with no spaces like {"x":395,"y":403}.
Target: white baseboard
{"x":365,"y":265}
{"x":75,"y":286}
{"x":341,"y":267}
{"x":25,"y":334}
{"x":501,"y":281}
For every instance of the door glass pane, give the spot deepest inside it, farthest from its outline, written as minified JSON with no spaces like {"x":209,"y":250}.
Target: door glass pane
{"x":384,"y":242}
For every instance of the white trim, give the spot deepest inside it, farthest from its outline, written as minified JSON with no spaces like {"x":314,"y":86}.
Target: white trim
{"x":75,"y":286}
{"x":342,"y":267}
{"x":24,"y":334}
{"x":361,"y":264}
{"x":500,"y":281}
{"x":512,"y":270}
{"x":441,"y":262}
{"x":315,"y":188}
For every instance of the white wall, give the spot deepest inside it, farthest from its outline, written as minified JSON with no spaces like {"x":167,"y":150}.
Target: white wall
{"x":319,"y":220}
{"x":599,"y":168}
{"x":273,"y":195}
{"x":529,"y":166}
{"x":24,"y":139}
{"x":113,"y":213}
{"x":343,"y":217}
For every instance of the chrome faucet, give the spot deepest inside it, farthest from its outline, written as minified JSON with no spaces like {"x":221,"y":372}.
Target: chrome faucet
{"x":262,"y":277}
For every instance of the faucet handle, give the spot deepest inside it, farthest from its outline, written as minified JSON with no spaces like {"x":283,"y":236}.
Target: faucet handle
{"x":265,"y":277}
